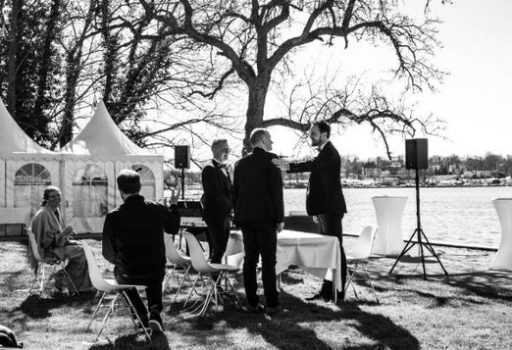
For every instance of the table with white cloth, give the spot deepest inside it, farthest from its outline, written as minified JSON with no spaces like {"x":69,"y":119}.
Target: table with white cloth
{"x":389,"y":211}
{"x":317,"y":254}
{"x":503,"y":258}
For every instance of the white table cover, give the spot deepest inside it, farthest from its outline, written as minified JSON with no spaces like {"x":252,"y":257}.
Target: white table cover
{"x":389,"y":211}
{"x":317,"y":254}
{"x":503,"y":258}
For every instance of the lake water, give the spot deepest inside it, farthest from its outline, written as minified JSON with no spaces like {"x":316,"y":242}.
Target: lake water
{"x":450,"y":214}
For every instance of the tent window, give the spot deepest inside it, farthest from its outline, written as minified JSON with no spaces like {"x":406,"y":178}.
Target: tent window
{"x":147,"y":179}
{"x":29,"y":183}
{"x":90,"y":192}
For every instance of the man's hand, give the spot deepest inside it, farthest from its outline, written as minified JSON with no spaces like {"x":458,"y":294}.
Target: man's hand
{"x":283,"y":164}
{"x":279,"y":226}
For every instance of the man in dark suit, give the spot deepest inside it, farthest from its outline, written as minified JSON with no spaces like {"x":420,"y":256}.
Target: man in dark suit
{"x":133,"y":240}
{"x":259,"y":211}
{"x":324,"y":197}
{"x":217,"y":199}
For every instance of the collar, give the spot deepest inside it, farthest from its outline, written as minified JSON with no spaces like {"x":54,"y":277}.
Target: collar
{"x":134,"y":197}
{"x":215,"y":161}
{"x":322,"y":146}
{"x":258,"y":148}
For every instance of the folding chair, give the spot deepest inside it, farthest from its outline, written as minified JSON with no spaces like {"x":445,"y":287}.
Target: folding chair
{"x":54,"y":263}
{"x":109,"y":286}
{"x":359,"y":256}
{"x":206,"y":270}
{"x":177,"y":259}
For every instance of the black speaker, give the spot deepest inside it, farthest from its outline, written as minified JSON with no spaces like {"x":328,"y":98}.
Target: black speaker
{"x":416,"y":154}
{"x":181,"y":157}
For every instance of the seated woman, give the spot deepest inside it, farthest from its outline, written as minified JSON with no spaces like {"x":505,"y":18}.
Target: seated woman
{"x":53,"y":240}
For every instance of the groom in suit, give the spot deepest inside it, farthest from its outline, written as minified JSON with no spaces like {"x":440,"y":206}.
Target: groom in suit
{"x":324,"y":197}
{"x":259,"y":211}
{"x":217,"y":199}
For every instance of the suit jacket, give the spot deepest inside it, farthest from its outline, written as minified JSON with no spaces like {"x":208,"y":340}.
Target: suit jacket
{"x":217,"y":192}
{"x":258,"y":189}
{"x":133,"y":237}
{"x":324,"y":195}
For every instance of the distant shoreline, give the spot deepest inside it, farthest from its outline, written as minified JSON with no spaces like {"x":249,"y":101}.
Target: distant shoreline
{"x":406,"y":186}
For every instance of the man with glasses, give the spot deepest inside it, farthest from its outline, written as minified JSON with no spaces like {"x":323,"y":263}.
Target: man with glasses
{"x":216,"y":199}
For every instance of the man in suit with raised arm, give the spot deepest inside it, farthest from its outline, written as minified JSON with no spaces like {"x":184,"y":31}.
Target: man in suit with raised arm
{"x":324,"y":197}
{"x":133,"y":240}
{"x":259,"y":212}
{"x":217,"y":199}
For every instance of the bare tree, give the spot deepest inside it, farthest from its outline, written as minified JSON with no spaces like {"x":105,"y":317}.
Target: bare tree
{"x":255,"y":37}
{"x":353,"y":103}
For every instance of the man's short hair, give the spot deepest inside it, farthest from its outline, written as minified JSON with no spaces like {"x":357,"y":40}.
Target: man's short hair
{"x":218,"y":142}
{"x":257,"y":135}
{"x":128,"y":181}
{"x":323,"y":126}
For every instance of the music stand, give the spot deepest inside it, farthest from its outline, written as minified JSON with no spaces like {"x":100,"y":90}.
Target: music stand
{"x":422,"y":240}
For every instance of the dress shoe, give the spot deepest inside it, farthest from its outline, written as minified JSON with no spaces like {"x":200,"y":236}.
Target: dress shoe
{"x":155,"y":322}
{"x":273,"y":310}
{"x":258,"y":309}
{"x":318,"y":296}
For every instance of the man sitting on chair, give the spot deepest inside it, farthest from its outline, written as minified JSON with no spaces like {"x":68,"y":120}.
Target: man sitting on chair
{"x":133,"y":241}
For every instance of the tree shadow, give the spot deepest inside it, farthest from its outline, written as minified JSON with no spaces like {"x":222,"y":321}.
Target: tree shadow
{"x":36,"y":306}
{"x":291,"y":328}
{"x":491,"y":285}
{"x":134,"y":342}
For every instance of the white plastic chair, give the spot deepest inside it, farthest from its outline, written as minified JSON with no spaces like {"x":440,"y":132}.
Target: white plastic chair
{"x":359,"y":256}
{"x":206,"y":270}
{"x":109,"y":286}
{"x":174,"y":257}
{"x":53,"y":263}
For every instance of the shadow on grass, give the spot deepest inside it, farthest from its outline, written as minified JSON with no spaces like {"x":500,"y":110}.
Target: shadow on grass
{"x":492,"y":285}
{"x":294,"y":328}
{"x":132,"y":342}
{"x":37,"y":307}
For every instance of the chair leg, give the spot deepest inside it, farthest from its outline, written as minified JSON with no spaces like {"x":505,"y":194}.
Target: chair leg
{"x":41,"y":287}
{"x":350,"y":280}
{"x":70,"y":281}
{"x":192,"y":289}
{"x":371,"y":283}
{"x":107,"y":315}
{"x":234,"y":292}
{"x":50,"y":275}
{"x":96,"y":311}
{"x":185,"y":276}
{"x":134,"y":312}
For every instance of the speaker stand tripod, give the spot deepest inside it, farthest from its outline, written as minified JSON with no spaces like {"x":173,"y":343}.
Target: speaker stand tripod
{"x":422,"y":240}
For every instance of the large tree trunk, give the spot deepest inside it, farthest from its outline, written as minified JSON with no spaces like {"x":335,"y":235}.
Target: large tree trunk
{"x":256,"y":109}
{"x":13,"y":55}
{"x":45,"y":64}
{"x":72,"y":75}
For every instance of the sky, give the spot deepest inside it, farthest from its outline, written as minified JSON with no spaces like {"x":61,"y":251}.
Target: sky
{"x":473,"y":101}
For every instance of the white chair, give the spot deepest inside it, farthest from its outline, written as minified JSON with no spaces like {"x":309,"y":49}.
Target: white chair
{"x":177,"y":260}
{"x":108,"y":286}
{"x":53,"y":263}
{"x":206,"y":270}
{"x":359,"y":256}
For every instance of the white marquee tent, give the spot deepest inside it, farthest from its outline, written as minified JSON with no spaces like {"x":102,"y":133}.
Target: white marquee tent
{"x":85,"y":170}
{"x":25,"y":170}
{"x":91,"y":162}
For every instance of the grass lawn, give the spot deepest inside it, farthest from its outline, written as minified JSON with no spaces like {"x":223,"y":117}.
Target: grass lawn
{"x":471,"y":310}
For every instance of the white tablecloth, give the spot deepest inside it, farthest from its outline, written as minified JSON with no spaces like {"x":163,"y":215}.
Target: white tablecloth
{"x":316,"y":254}
{"x":503,"y":258}
{"x":389,"y":211}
